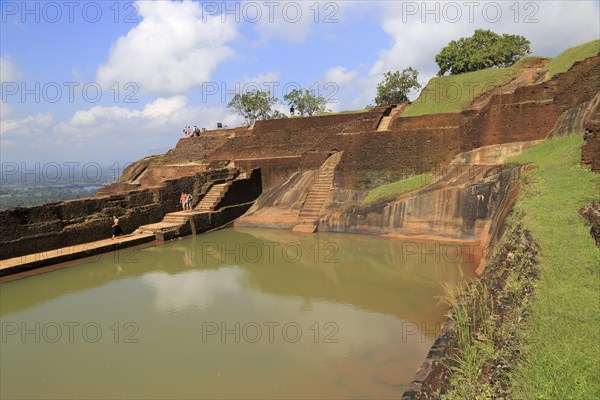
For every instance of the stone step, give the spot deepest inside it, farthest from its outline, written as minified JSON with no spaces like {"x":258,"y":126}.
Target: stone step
{"x":310,"y":215}
{"x":317,"y":195}
{"x":305,"y":228}
{"x":314,"y":208}
{"x":319,"y":192}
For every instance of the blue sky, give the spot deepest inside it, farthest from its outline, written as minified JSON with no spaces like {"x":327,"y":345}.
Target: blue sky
{"x":151,"y":67}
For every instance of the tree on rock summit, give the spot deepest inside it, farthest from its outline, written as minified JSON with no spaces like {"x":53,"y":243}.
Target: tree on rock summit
{"x":396,"y":86}
{"x":254,"y":106}
{"x":305,"y":102}
{"x":485,"y":49}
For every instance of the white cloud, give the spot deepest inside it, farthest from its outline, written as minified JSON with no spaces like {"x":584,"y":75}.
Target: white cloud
{"x":348,"y":89}
{"x":193,"y":289}
{"x":9,"y":72}
{"x":416,"y":38}
{"x":340,"y":75}
{"x":125,"y":124}
{"x":108,"y":134}
{"x":32,"y":125}
{"x":173,"y":49}
{"x":22,"y":134}
{"x":289,"y":20}
{"x":295,"y":21}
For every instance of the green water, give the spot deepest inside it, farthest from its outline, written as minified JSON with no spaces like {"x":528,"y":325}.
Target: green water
{"x":237,"y":313}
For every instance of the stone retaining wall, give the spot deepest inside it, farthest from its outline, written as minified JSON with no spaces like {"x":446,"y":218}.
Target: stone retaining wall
{"x":55,"y":225}
{"x":590,"y":151}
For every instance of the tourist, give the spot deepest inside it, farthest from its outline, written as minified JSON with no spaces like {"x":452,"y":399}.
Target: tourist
{"x":183,"y":200}
{"x":196,"y":131}
{"x":117,"y":231}
{"x":189,"y":131}
{"x":189,"y":202}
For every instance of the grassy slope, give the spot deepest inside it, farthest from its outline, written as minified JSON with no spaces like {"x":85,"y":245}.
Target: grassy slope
{"x":566,"y":59}
{"x":397,"y":188}
{"x":562,"y":336}
{"x":453,"y":93}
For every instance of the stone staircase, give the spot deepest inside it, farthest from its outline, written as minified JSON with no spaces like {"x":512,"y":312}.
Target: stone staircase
{"x":213,"y":197}
{"x":384,"y":124}
{"x":317,"y":195}
{"x":175,"y":220}
{"x":171,"y":221}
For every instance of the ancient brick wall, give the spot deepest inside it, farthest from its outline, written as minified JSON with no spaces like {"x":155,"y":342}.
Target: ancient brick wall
{"x":427,"y":121}
{"x":157,"y":174}
{"x":356,"y":121}
{"x":376,"y":158}
{"x":413,"y":144}
{"x":193,"y":148}
{"x":590,"y":151}
{"x":56,"y":225}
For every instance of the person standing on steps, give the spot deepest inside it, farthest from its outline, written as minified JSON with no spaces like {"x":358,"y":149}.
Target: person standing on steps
{"x":189,"y":202}
{"x":117,"y":231}
{"x":183,"y":200}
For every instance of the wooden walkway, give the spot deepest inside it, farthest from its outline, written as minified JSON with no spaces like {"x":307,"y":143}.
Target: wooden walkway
{"x":70,"y":253}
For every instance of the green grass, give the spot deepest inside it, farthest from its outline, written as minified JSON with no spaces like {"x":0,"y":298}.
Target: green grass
{"x":453,"y":93}
{"x":475,"y":338}
{"x":561,"y":339}
{"x":397,"y":188}
{"x":566,"y":59}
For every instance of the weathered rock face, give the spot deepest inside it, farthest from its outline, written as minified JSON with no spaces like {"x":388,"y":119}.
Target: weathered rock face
{"x":575,"y":119}
{"x":457,"y":207}
{"x":590,"y":151}
{"x":467,"y":202}
{"x":591,"y":213}
{"x":279,"y":206}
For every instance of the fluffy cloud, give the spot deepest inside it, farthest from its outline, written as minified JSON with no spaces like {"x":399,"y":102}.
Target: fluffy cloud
{"x":174,"y":48}
{"x":23,"y":127}
{"x":9,"y":72}
{"x":289,"y":20}
{"x":108,"y":134}
{"x":551,"y":26}
{"x":295,"y":21}
{"x":416,"y":37}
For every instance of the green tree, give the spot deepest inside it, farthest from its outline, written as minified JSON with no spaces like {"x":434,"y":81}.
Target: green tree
{"x":395,"y":86}
{"x":305,"y":102}
{"x":485,"y":49}
{"x":254,"y":106}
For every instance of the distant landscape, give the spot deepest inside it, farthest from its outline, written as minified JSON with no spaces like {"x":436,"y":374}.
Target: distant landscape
{"x":22,"y":190}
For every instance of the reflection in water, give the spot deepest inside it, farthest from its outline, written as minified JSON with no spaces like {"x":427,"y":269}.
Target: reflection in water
{"x":237,"y":313}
